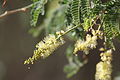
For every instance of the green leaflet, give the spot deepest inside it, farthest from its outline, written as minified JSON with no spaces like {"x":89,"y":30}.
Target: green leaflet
{"x":80,"y":12}
{"x":36,"y":10}
{"x":75,"y":11}
{"x":112,"y":22}
{"x":87,"y":23}
{"x":84,"y":8}
{"x":111,"y":31}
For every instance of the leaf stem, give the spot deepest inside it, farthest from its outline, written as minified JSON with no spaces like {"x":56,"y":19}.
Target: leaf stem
{"x":69,"y":31}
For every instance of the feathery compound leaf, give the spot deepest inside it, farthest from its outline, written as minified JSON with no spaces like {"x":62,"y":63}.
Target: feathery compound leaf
{"x":85,"y":6}
{"x":36,"y":10}
{"x":111,"y":31}
{"x":111,"y":26}
{"x":75,"y":11}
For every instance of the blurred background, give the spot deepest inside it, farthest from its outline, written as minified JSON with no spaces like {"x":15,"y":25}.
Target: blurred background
{"x":16,"y":45}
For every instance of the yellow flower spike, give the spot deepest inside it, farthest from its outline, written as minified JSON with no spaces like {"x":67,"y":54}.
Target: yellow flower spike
{"x":80,"y":46}
{"x":45,"y":48}
{"x":106,"y":56}
{"x":85,"y":46}
{"x":103,"y":71}
{"x":91,"y":41}
{"x":104,"y":67}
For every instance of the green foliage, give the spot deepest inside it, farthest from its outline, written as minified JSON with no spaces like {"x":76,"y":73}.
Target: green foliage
{"x":84,"y":8}
{"x":111,"y":22}
{"x":74,"y":63}
{"x":56,"y":20}
{"x":87,"y":23}
{"x":110,"y":33}
{"x":75,"y":11}
{"x":36,"y":10}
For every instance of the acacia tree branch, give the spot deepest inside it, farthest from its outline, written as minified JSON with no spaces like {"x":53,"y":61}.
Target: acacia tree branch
{"x":23,"y":9}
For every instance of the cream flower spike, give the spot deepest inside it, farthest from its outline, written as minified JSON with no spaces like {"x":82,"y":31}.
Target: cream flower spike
{"x":85,"y":46}
{"x":45,"y":48}
{"x":104,"y":67}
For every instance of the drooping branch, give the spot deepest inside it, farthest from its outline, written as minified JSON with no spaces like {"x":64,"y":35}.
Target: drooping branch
{"x":23,"y":9}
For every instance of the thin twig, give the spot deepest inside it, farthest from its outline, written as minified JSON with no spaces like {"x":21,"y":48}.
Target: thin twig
{"x":69,"y":30}
{"x":23,"y":9}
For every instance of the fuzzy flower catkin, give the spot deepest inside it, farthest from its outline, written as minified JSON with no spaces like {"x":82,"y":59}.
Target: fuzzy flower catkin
{"x":45,"y":48}
{"x":104,"y":67}
{"x":85,"y":46}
